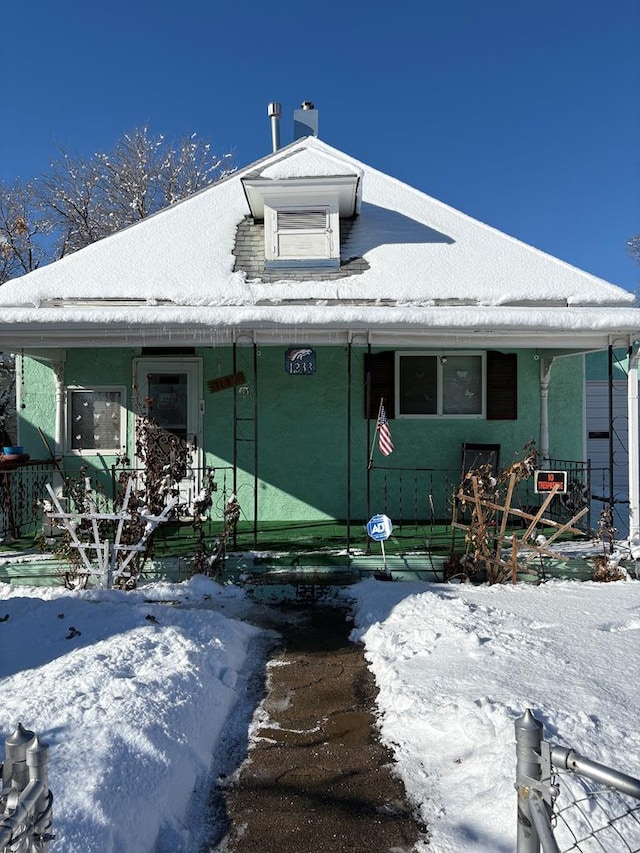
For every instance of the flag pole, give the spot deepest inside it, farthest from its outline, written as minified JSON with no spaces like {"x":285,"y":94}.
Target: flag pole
{"x":375,"y":434}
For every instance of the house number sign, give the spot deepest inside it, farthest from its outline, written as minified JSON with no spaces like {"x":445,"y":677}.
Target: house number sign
{"x":300,"y":361}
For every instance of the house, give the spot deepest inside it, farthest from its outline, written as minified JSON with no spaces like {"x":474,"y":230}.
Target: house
{"x":268,"y":316}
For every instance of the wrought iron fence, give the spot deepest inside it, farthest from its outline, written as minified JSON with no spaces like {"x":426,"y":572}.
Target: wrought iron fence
{"x":578,"y":495}
{"x":567,"y":802}
{"x":22,"y":490}
{"x":25,"y":800}
{"x":412,"y":496}
{"x":419,"y":495}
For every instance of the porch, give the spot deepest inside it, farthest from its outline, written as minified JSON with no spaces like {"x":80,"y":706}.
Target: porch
{"x":310,"y":554}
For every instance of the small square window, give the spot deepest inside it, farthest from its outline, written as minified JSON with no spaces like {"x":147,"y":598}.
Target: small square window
{"x":431,"y":385}
{"x":96,"y":420}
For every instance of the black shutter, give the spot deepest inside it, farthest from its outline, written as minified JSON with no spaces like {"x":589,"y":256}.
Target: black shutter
{"x":502,"y":386}
{"x":379,"y":374}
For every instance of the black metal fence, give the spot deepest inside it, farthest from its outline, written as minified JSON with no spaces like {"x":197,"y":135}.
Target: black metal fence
{"x":22,"y":492}
{"x":411,"y":496}
{"x":578,"y":495}
{"x":420,"y":495}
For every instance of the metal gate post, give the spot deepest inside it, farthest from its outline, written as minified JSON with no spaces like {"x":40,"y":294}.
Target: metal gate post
{"x":37,"y":762}
{"x":15,"y":773}
{"x":528,"y":746}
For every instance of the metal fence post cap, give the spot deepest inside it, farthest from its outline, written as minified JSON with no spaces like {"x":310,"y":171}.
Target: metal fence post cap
{"x":528,"y":723}
{"x":37,"y":752}
{"x":16,"y":743}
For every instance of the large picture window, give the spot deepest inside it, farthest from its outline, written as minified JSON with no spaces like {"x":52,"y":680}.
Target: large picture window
{"x":433,"y":385}
{"x":96,"y":420}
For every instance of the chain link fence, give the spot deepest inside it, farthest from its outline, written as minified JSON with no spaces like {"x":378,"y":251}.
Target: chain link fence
{"x":567,"y":802}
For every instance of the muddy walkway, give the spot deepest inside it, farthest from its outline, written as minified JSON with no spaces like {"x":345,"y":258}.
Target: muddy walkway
{"x":317,"y":778}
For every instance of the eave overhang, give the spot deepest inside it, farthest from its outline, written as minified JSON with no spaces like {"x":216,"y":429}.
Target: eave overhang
{"x":343,"y":188}
{"x":581,"y":329}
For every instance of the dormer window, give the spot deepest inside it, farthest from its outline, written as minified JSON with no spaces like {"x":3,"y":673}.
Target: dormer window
{"x":301,"y":218}
{"x":302,"y":236}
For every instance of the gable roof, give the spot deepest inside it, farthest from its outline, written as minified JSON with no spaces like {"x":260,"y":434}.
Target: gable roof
{"x":428,"y":266}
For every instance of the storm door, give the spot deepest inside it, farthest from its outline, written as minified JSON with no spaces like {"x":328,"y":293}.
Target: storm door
{"x":169,"y":392}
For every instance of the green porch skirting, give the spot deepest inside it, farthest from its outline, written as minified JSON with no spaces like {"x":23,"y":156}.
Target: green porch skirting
{"x":321,"y":570}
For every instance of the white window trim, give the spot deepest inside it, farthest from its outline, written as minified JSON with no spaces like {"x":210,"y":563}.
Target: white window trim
{"x":330,"y":233}
{"x":95,"y":451}
{"x":439,"y":356}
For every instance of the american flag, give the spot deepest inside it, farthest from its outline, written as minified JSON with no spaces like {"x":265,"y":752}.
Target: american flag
{"x":384,"y":433}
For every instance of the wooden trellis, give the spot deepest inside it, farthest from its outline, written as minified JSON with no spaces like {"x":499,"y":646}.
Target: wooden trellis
{"x":487,"y":535}
{"x":100,"y":558}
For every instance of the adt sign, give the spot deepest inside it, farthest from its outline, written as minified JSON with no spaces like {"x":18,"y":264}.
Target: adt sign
{"x":379,"y":528}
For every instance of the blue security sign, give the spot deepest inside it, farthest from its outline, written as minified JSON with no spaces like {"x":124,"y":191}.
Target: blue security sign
{"x":379,"y":528}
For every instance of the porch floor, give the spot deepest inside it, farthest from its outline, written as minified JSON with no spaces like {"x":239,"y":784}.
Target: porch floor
{"x":310,"y":558}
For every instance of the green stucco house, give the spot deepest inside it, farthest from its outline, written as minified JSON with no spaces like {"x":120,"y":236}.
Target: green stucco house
{"x":266,"y":317}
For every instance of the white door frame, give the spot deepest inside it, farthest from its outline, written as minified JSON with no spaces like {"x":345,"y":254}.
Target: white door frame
{"x":192,"y":368}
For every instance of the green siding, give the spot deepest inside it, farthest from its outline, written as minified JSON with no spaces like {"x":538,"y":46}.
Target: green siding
{"x":36,"y":404}
{"x":597,"y":365}
{"x":301,"y":429}
{"x":566,"y":409}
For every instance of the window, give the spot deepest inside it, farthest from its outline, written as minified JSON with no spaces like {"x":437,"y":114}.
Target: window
{"x":96,"y":420}
{"x":447,"y":385}
{"x":428,"y":384}
{"x":302,"y":236}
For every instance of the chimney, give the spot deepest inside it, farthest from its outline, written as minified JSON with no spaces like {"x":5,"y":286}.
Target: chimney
{"x":305,"y":120}
{"x":274,"y":111}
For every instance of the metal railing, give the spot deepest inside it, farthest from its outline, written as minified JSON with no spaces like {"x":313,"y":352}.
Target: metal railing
{"x":567,"y":802}
{"x":419,"y":495}
{"x":22,"y":489}
{"x":412,"y":496}
{"x":578,"y":494}
{"x":25,"y":799}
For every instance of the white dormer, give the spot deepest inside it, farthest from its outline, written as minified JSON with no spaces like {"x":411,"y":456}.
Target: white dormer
{"x":302,"y":217}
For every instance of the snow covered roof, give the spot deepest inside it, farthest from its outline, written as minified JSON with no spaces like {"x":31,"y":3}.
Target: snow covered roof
{"x":429,"y":269}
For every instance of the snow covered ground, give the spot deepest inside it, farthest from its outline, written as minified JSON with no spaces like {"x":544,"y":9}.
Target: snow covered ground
{"x":136,"y":692}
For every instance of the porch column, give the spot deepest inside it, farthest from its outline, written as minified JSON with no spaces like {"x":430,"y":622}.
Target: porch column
{"x":58,"y":437}
{"x":634,"y":450}
{"x":545,"y":376}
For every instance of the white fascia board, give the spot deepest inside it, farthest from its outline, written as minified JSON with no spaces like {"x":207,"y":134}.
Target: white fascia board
{"x":276,"y":193}
{"x":278,"y":334}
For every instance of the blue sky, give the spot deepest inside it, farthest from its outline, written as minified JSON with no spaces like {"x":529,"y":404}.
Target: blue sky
{"x":525,"y":116}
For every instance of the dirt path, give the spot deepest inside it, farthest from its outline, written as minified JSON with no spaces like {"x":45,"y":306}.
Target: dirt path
{"x":317,"y":778}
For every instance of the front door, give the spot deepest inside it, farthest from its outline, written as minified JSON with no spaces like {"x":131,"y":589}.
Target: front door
{"x":169,"y":391}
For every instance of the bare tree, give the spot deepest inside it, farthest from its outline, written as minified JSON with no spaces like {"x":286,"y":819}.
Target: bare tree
{"x":88,"y":199}
{"x":24,"y":230}
{"x":633,"y":244}
{"x":80,"y":200}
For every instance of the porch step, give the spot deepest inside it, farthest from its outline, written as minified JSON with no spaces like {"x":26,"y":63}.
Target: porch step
{"x":405,"y":567}
{"x":327,"y":569}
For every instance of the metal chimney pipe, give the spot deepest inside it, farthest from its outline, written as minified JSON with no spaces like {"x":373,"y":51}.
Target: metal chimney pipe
{"x":274,"y":111}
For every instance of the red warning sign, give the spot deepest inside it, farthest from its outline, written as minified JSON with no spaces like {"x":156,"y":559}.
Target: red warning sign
{"x":546,"y":481}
